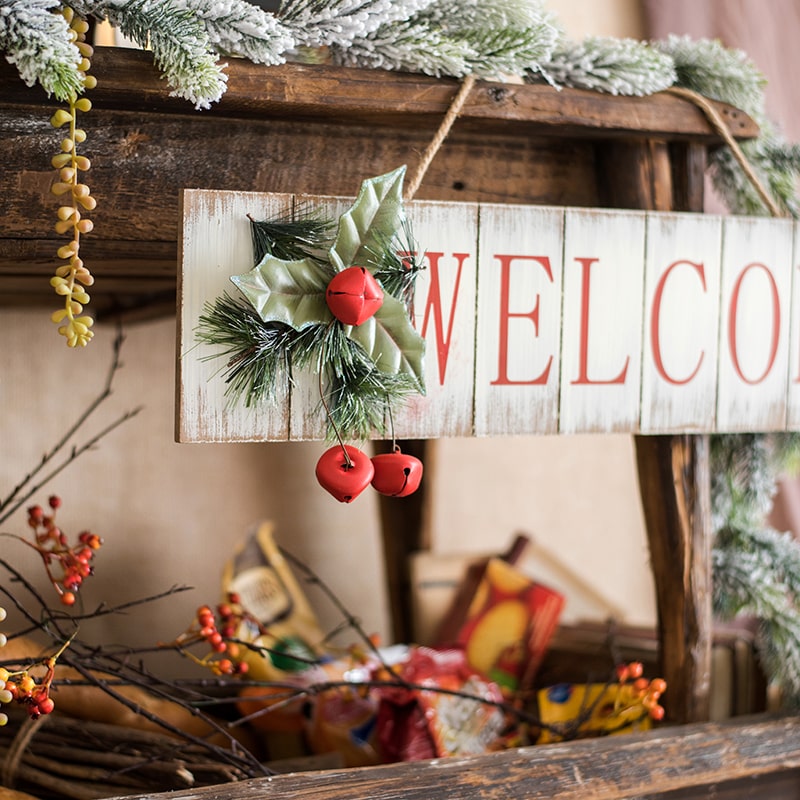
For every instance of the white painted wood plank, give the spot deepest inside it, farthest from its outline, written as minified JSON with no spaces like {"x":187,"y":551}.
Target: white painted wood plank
{"x":602,"y":320}
{"x":793,"y":392}
{"x":681,"y":322}
{"x":754,"y":330}
{"x":444,"y":313}
{"x":214,"y":245}
{"x":518,"y":349}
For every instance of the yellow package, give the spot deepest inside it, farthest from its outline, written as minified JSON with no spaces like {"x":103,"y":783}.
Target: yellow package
{"x":287,"y":626}
{"x":575,"y":710}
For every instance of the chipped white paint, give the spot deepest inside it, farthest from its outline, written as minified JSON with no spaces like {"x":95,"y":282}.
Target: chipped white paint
{"x":681,"y":305}
{"x":754,"y":325}
{"x":602,"y":320}
{"x":538,"y":320}
{"x":519,"y":320}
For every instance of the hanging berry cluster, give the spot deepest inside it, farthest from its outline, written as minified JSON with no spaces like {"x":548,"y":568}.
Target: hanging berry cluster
{"x":72,"y":277}
{"x":74,"y":561}
{"x":26,"y":688}
{"x":216,"y":629}
{"x":638,"y":692}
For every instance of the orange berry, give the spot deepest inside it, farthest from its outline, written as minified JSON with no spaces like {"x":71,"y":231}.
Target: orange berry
{"x":636,"y":669}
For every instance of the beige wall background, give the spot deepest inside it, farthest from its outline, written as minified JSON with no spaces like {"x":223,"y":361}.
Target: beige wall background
{"x":172,"y":514}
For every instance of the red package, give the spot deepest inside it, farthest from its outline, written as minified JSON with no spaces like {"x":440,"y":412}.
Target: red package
{"x":417,"y":723}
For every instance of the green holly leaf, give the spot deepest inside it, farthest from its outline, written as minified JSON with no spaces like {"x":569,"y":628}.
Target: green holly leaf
{"x":391,"y":341}
{"x":372,"y":220}
{"x":292,"y":292}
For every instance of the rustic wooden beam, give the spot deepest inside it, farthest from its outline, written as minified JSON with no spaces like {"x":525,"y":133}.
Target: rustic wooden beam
{"x":127,"y":79}
{"x":403,"y":532}
{"x":674,"y":482}
{"x":612,"y":768}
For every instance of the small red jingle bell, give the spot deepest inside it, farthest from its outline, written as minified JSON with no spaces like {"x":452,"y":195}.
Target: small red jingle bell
{"x":396,"y":474}
{"x":353,"y":295}
{"x":344,"y":476}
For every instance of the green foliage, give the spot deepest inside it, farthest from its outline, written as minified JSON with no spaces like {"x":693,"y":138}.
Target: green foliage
{"x":36,"y":39}
{"x":718,"y":72}
{"x":178,"y":39}
{"x":757,"y":569}
{"x":287,"y":324}
{"x":292,"y":240}
{"x":605,"y":64}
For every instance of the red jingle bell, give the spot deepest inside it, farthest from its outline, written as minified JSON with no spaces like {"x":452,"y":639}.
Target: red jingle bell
{"x":396,"y":474}
{"x":353,"y":295}
{"x":344,"y":479}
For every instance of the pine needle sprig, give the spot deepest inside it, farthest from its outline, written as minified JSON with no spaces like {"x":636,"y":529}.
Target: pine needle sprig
{"x":258,"y":353}
{"x":500,"y":37}
{"x":756,"y":569}
{"x":708,"y":67}
{"x":410,"y":46}
{"x":38,"y":42}
{"x":757,"y":573}
{"x":179,"y":41}
{"x":240,"y":28}
{"x":398,"y":266}
{"x":607,"y":64}
{"x":508,"y":51}
{"x":290,"y":239}
{"x":358,"y":394}
{"x":321,"y":23}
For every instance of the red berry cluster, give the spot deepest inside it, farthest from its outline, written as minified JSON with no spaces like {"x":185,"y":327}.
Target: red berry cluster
{"x":24,"y":689}
{"x":53,"y":546}
{"x":639,"y":690}
{"x":217,"y":628}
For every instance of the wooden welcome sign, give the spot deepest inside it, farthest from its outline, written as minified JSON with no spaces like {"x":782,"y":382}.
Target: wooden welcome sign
{"x":539,"y":320}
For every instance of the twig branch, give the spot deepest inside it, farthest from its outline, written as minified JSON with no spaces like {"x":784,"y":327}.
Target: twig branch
{"x":13,"y":501}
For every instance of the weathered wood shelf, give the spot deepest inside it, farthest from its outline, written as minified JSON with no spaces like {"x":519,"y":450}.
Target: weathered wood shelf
{"x":512,"y":143}
{"x":759,"y":758}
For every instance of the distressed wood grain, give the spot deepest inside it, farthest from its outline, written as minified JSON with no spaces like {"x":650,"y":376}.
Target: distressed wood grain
{"x":604,"y":255}
{"x":679,"y":363}
{"x":518,"y":345}
{"x":754,"y":324}
{"x":641,"y":766}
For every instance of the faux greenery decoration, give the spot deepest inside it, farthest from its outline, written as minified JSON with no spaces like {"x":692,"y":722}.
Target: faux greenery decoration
{"x":604,"y":64}
{"x":286,"y":322}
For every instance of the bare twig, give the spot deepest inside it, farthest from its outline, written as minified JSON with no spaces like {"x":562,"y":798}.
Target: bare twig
{"x":24,"y":490}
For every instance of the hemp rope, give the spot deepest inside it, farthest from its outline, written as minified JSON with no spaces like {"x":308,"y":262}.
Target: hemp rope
{"x":703,"y":103}
{"x":456,"y":104}
{"x":718,"y":123}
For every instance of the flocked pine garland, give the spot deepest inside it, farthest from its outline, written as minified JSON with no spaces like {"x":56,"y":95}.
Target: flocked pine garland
{"x":454,"y":38}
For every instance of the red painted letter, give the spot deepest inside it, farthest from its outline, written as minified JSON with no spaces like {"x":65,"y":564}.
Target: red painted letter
{"x":655,"y":324}
{"x":433,"y":306}
{"x":533,"y":315}
{"x":583,"y":357}
{"x":776,"y":323}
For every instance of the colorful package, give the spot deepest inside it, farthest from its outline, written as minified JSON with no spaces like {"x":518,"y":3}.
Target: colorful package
{"x":594,"y":709}
{"x":268,"y":590}
{"x":414,"y":724}
{"x":509,"y":625}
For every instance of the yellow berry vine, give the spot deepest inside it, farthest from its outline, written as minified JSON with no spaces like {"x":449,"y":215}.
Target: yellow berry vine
{"x":72,"y":277}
